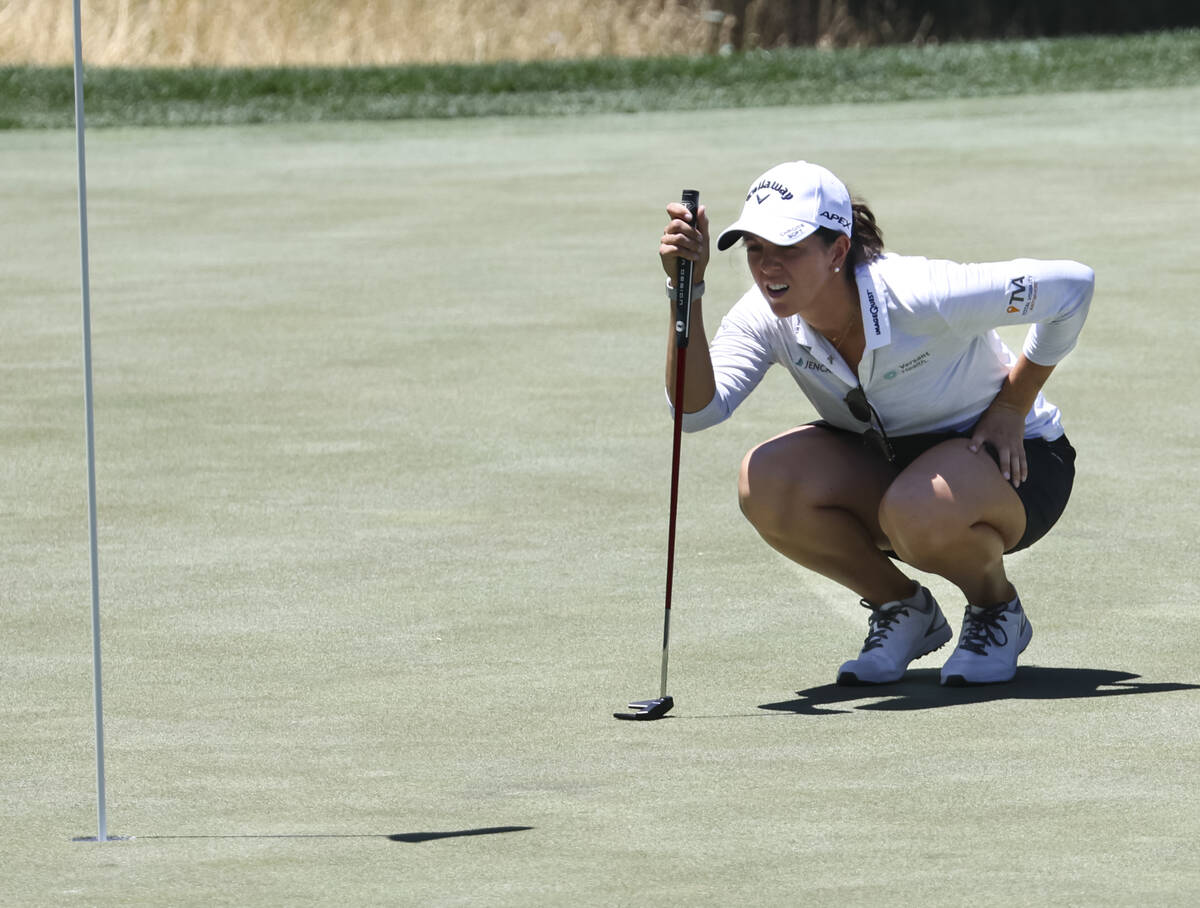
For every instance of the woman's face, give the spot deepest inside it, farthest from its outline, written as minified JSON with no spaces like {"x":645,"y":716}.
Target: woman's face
{"x":791,"y":278}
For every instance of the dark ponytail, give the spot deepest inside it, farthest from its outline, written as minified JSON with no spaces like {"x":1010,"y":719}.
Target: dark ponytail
{"x":866,"y":239}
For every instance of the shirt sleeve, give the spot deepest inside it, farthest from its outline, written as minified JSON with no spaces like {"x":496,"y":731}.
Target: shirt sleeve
{"x":741,"y":355}
{"x":1052,"y":296}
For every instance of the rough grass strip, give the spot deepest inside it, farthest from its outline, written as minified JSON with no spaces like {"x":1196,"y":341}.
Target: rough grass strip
{"x":40,"y":97}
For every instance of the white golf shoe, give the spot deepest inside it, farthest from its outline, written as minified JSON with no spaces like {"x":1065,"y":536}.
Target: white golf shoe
{"x":988,"y":645}
{"x":901,"y":631}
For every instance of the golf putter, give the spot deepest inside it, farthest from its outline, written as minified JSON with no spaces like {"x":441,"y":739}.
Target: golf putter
{"x":659,"y":706}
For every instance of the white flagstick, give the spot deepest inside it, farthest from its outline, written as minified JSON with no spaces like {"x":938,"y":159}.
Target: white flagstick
{"x":102,"y":821}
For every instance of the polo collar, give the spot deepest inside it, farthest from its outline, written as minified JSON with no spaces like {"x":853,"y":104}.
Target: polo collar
{"x":872,"y":297}
{"x":822,"y":351}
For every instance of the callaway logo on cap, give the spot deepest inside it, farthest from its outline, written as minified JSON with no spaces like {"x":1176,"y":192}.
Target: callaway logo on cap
{"x":788,"y":203}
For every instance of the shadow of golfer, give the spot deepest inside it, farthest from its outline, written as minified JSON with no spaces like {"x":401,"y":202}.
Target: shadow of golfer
{"x":920,"y":689}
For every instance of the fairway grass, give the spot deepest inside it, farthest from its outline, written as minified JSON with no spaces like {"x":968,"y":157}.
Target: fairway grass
{"x":383,"y":465}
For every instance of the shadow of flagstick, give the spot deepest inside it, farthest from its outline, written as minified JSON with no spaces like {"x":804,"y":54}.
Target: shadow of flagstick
{"x":415,"y":837}
{"x":410,"y":837}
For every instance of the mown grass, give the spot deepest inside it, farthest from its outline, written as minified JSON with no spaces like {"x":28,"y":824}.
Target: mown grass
{"x":383,"y":471}
{"x":41,"y":97}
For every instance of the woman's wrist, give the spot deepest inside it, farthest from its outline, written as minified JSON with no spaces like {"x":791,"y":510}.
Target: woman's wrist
{"x":697,"y":290}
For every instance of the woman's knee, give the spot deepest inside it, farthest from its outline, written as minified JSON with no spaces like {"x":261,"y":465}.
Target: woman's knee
{"x":916,"y":521}
{"x":772,"y":492}
{"x":927,"y":512}
{"x":786,"y":481}
{"x":761,"y":488}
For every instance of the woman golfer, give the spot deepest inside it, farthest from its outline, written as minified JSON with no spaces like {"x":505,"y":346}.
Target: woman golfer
{"x":935,"y":447}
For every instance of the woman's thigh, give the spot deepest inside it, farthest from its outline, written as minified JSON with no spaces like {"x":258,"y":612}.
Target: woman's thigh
{"x":949,"y":489}
{"x":813,"y":467}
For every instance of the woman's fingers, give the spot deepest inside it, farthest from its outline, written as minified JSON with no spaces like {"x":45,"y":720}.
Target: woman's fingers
{"x":681,"y":237}
{"x":1010,"y":459}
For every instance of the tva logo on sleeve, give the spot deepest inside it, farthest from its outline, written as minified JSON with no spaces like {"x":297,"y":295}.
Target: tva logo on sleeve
{"x":1022,"y":294}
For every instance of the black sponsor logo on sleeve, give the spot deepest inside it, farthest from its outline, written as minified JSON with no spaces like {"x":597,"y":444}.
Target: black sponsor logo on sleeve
{"x":1022,"y":295}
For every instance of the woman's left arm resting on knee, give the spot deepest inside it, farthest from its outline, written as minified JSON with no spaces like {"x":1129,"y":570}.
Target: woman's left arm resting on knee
{"x":1002,"y":424}
{"x":1065,"y":295}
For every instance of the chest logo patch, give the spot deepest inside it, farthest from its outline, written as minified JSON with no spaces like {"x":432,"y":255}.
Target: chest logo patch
{"x":912,"y":365}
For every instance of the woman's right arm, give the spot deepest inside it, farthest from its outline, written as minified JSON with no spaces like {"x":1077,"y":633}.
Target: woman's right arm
{"x":684,"y":239}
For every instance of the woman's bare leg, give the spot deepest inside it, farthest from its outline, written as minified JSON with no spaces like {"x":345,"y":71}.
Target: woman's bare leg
{"x":951,"y":513}
{"x":814,"y":495}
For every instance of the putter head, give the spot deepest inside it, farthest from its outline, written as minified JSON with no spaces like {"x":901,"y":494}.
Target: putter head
{"x":647,"y":709}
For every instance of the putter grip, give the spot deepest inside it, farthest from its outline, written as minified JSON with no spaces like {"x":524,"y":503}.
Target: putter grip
{"x":683,"y":280}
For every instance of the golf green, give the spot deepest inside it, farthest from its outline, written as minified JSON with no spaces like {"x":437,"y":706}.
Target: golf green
{"x":382,"y":467}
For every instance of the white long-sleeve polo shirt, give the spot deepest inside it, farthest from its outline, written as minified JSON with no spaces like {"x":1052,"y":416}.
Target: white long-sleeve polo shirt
{"x":933,"y":360}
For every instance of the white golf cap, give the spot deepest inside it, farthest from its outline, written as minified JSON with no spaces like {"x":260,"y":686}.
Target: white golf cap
{"x":788,"y":203}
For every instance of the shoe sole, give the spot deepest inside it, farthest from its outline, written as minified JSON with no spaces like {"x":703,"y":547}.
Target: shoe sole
{"x":961,"y":681}
{"x":850,"y":679}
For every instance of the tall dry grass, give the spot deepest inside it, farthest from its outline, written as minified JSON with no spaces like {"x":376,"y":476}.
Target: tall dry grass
{"x":344,"y":32}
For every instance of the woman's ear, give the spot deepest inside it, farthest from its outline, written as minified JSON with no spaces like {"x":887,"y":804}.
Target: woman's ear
{"x":841,"y":249}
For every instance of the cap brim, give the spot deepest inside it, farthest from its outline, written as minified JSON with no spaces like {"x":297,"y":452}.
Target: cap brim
{"x":777,"y":231}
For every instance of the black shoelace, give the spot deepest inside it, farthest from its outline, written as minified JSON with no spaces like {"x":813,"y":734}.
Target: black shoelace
{"x":881,"y":622}
{"x":984,"y":627}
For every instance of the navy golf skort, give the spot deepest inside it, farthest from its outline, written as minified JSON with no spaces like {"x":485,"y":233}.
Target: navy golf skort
{"x":1044,"y":494}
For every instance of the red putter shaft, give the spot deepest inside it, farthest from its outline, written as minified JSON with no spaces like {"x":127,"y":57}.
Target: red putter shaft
{"x":657,"y":708}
